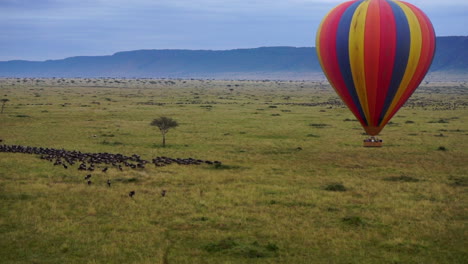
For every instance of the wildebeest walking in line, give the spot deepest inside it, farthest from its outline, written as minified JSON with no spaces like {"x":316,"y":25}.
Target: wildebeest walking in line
{"x":89,"y":161}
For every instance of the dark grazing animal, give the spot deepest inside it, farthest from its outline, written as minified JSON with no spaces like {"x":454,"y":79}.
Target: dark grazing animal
{"x":131,"y":194}
{"x":91,"y":161}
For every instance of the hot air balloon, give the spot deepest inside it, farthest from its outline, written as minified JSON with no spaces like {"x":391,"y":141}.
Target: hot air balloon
{"x":375,"y":53}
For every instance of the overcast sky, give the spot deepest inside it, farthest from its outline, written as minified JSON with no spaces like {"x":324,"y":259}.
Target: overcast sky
{"x":55,"y":29}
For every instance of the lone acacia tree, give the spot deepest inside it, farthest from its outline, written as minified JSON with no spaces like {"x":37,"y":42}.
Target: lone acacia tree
{"x":4,"y":101}
{"x":164,"y":124}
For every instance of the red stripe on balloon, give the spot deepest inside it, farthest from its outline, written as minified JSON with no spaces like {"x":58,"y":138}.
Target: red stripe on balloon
{"x":329,"y":57}
{"x":425,"y":60}
{"x":386,"y":56}
{"x":371,"y":58}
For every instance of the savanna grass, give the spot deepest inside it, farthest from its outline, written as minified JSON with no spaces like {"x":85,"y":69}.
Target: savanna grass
{"x":282,"y":144}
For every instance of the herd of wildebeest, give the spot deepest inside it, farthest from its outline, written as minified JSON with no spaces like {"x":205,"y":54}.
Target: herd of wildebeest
{"x":90,"y":162}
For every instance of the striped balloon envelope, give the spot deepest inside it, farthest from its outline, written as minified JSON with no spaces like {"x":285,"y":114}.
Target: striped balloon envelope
{"x":375,"y":53}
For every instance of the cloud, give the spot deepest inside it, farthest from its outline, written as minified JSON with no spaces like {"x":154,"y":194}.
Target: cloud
{"x":58,"y":28}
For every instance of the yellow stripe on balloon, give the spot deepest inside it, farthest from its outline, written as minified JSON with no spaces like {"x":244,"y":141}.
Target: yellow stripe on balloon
{"x":356,"y":55}
{"x":413,"y":59}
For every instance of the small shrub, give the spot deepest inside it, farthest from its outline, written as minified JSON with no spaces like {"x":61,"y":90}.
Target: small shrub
{"x":126,"y":180}
{"x":335,"y":187}
{"x":272,"y":247}
{"x":402,"y":178}
{"x":318,"y":125}
{"x":299,"y":204}
{"x":64,"y":248}
{"x":353,"y":221}
{"x":22,"y":116}
{"x":223,"y":244}
{"x":440,"y":121}
{"x":220,"y":166}
{"x":252,"y":253}
{"x":312,"y":135}
{"x":460,"y":181}
{"x":108,"y":143}
{"x":242,"y":249}
{"x":442,"y":148}
{"x":203,"y":219}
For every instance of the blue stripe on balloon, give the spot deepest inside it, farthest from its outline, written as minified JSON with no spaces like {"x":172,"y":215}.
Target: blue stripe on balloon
{"x":342,"y":52}
{"x":403,"y":43}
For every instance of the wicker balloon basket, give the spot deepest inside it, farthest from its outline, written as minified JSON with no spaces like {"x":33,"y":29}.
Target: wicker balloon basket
{"x":372,"y":142}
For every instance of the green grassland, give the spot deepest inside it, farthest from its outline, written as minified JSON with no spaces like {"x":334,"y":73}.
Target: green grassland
{"x":296,"y":185}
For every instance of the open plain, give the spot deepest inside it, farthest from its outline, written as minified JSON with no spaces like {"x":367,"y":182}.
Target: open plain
{"x":295,"y":185}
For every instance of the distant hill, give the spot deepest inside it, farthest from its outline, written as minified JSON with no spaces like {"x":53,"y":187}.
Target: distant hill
{"x":451,"y":54}
{"x":257,"y":63}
